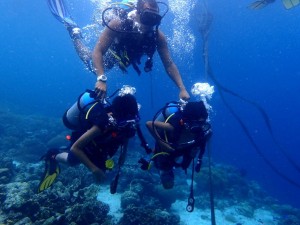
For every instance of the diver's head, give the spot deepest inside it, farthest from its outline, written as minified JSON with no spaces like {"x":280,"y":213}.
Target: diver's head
{"x":195,"y":122}
{"x":125,"y":111}
{"x":148,"y":11}
{"x":125,"y":107}
{"x":195,"y":111}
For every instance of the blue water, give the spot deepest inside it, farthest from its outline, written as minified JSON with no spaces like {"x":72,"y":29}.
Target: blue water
{"x":253,"y":53}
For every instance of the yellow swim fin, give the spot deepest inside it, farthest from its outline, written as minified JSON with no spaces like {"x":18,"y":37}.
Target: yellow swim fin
{"x":288,"y":4}
{"x":51,"y":172}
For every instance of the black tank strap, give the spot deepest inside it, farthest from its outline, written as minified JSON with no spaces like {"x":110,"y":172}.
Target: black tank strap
{"x":144,"y":144}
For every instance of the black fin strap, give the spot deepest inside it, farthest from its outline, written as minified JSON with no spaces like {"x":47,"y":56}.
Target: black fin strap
{"x":191,"y":199}
{"x":199,"y":159}
{"x":115,"y":180}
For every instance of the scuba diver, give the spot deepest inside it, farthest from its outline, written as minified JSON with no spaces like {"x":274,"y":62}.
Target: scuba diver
{"x":98,"y":131}
{"x":181,"y":131}
{"x":288,"y":4}
{"x":128,"y":36}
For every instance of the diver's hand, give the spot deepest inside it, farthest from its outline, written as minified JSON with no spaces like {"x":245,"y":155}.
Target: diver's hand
{"x":100,"y":89}
{"x":184,"y":95}
{"x":99,"y":175}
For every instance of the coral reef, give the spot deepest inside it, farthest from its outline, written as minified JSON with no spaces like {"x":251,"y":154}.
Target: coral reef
{"x":28,"y":135}
{"x":229,"y":184}
{"x":68,"y":203}
{"x":71,"y":200}
{"x":147,"y":216}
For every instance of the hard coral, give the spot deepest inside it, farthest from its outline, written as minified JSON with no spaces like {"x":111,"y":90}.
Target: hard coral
{"x":146,"y":216}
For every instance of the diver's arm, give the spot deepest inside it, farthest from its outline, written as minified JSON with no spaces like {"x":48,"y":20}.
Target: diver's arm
{"x":104,"y":42}
{"x":160,"y":125}
{"x":78,"y":149}
{"x":102,"y":45}
{"x":170,"y":67}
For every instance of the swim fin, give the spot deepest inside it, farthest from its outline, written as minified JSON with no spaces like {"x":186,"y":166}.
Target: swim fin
{"x":58,"y":9}
{"x":52,"y":170}
{"x":114,"y":183}
{"x":288,"y":4}
{"x":258,"y":4}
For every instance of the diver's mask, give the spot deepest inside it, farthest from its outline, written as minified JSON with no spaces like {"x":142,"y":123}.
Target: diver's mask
{"x":150,"y":17}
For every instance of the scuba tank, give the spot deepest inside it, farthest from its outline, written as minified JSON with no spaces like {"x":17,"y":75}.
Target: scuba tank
{"x":74,"y":116}
{"x":167,"y":111}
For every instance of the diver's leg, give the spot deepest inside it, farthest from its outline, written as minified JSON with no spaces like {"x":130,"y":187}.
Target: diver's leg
{"x":84,"y":53}
{"x":62,"y":157}
{"x":167,"y":178}
{"x":61,"y":13}
{"x":72,"y":159}
{"x":165,"y":165}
